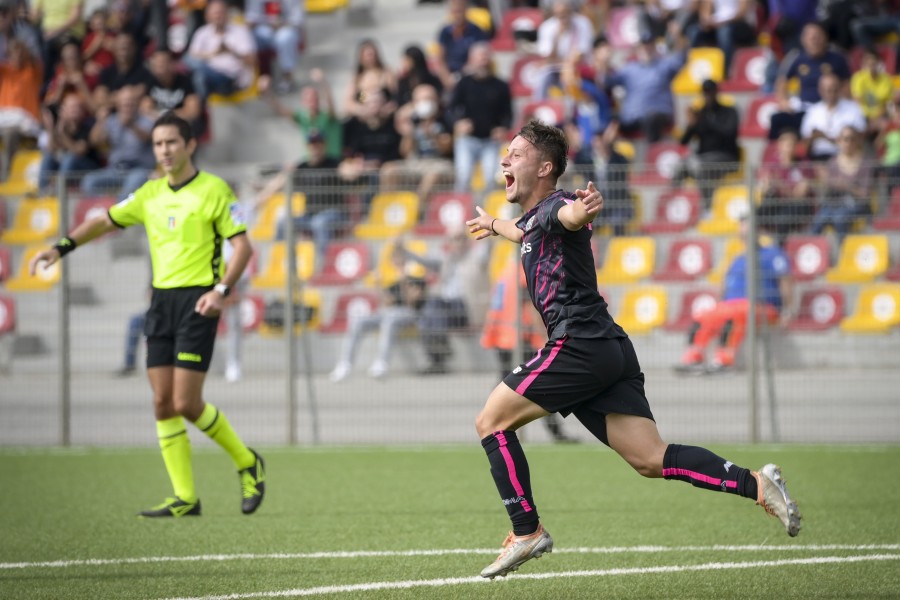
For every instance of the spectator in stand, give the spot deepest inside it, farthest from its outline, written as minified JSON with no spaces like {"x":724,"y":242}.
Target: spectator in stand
{"x":99,"y":45}
{"x":715,"y":127}
{"x":846,"y":181}
{"x":726,"y":24}
{"x":58,"y":21}
{"x":872,"y":88}
{"x":311,"y":115}
{"x":171,"y":90}
{"x":839,"y":16}
{"x":14,"y":27}
{"x":66,"y":149}
{"x":786,"y":186}
{"x":401,"y":305}
{"x":667,"y":19}
{"x":807,"y":65}
{"x":481,"y":112}
{"x":583,"y":88}
{"x":888,"y":145}
{"x":453,"y":297}
{"x":788,"y":18}
{"x":130,"y":160}
{"x":609,"y":171}
{"x":414,"y":71}
{"x":564,"y":36}
{"x":70,"y":78}
{"x":648,"y":106}
{"x":823,"y":121}
{"x":131,"y":16}
{"x":318,"y":179}
{"x":454,"y":42}
{"x":371,"y":74}
{"x":728,"y":319}
{"x":128,"y":70}
{"x":278,"y":26}
{"x":222,"y":54}
{"x":426,"y":146}
{"x":20,"y":88}
{"x":884,"y":19}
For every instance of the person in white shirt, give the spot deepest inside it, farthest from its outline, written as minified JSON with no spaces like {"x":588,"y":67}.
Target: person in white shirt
{"x":278,"y":26}
{"x":222,"y":55}
{"x":824,"y":120}
{"x":564,"y":36}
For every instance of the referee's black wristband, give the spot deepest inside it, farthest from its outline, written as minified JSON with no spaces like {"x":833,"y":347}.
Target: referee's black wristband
{"x":64,"y":246}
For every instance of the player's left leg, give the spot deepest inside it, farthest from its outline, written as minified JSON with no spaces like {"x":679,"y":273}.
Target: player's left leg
{"x":504,"y":413}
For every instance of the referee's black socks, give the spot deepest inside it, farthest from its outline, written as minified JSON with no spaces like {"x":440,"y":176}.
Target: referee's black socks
{"x":510,"y":470}
{"x":701,"y":468}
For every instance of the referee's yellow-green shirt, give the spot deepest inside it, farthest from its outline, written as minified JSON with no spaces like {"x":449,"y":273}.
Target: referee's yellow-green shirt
{"x":185,"y":227}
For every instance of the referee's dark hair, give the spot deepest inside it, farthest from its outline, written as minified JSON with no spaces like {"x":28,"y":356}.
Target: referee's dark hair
{"x":550,"y":141}
{"x":170,"y":118}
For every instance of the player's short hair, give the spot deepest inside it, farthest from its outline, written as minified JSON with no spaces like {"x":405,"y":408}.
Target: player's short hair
{"x":551,"y":143}
{"x":170,"y":118}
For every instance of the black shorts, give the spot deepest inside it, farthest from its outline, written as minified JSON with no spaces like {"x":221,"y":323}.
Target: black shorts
{"x":589,"y":378}
{"x":177,"y":334}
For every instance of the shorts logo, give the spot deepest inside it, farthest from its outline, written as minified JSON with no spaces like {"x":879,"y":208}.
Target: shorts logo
{"x":189,"y":357}
{"x":171,"y":223}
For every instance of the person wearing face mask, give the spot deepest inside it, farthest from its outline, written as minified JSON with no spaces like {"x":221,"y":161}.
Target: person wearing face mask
{"x":426,"y":145}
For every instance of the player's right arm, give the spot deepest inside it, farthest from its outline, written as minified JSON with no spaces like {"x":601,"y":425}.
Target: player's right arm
{"x":84,"y":233}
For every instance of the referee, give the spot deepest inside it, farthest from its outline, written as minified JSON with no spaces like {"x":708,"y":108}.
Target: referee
{"x":186,"y":215}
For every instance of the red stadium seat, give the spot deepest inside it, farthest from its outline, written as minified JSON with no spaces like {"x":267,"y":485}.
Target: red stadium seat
{"x":623,"y":28}
{"x":890,"y":220}
{"x":549,"y":112}
{"x":687,"y":260}
{"x":252,"y":308}
{"x":7,"y":314}
{"x":3,"y":216}
{"x":660,"y":163}
{"x":693,"y":303}
{"x":446,"y":210}
{"x":676,"y":211}
{"x":350,"y":303}
{"x":516,"y":19}
{"x":88,"y":208}
{"x":759,"y":117}
{"x":888,"y":56}
{"x":748,"y":71}
{"x":810,"y":256}
{"x":820,"y":309}
{"x":893,"y":274}
{"x":525,"y":74}
{"x":345,"y":263}
{"x":5,"y":264}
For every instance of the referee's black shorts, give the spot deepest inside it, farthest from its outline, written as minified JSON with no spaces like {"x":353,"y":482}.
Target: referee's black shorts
{"x":177,"y":334}
{"x":589,"y":378}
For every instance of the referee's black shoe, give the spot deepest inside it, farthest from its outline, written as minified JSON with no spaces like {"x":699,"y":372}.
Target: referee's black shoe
{"x":253,"y":484}
{"x":173,"y":507}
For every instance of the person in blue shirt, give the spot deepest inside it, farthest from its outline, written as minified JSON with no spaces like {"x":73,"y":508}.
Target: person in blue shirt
{"x":728,"y":318}
{"x":454,"y":41}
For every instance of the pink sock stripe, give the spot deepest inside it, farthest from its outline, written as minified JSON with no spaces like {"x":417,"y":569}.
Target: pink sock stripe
{"x":698,"y":477}
{"x":511,"y":468}
{"x":522,"y":387}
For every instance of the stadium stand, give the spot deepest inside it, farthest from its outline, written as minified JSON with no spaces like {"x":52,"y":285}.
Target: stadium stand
{"x":877,"y":309}
{"x":5,"y":264}
{"x":307,"y":315}
{"x":729,"y":202}
{"x":44,"y":279}
{"x":758,"y":117}
{"x":623,"y":28}
{"x":748,"y":71}
{"x":88,"y":208}
{"x":345,"y":263}
{"x":36,"y":220}
{"x":693,"y":303}
{"x":820,"y":309}
{"x":502,"y":253}
{"x":890,"y":219}
{"x":526,"y":73}
{"x":687,"y":260}
{"x":733,"y":247}
{"x":271,"y":211}
{"x":445,"y":210}
{"x":628,"y":260}
{"x":274,"y":274}
{"x":550,"y":112}
{"x":356,"y":302}
{"x":23,"y":174}
{"x":390,"y":214}
{"x":386,"y":272}
{"x":643,"y":309}
{"x":515,"y":20}
{"x":676,"y":211}
{"x":810,"y":256}
{"x":862,"y":259}
{"x":702,"y":64}
{"x":660,"y":163}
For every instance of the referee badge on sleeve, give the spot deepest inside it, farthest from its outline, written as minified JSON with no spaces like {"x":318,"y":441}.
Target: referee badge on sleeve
{"x":237,"y":213}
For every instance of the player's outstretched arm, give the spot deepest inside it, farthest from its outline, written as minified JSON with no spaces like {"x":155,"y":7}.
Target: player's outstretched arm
{"x":577,"y":214}
{"x":486,"y":226}
{"x":84,"y":233}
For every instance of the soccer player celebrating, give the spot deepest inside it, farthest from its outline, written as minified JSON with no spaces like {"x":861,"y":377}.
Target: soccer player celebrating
{"x":588,"y":366}
{"x":186,"y":214}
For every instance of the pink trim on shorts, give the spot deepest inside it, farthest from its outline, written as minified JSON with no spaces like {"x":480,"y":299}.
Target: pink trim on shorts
{"x":522,"y":387}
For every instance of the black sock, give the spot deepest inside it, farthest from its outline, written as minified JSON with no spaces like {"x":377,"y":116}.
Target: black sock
{"x":703,"y":469}
{"x":510,"y":471}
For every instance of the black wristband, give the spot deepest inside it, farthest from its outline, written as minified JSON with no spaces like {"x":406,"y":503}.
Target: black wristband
{"x":492,"y":228}
{"x":64,"y":246}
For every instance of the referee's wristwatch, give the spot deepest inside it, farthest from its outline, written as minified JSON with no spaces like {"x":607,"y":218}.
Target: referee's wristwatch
{"x":222,"y":289}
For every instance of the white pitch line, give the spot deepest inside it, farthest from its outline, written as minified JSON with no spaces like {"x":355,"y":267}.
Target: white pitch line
{"x":416,"y":583}
{"x":93,"y":562}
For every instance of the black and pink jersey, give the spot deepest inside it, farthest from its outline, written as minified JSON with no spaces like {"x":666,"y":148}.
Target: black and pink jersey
{"x":562,"y":279}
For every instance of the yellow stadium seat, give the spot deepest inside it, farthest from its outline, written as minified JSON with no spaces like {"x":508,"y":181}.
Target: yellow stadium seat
{"x":729,"y":203}
{"x":643,"y":309}
{"x":480,"y":17}
{"x":35,"y":221}
{"x":251,"y":92}
{"x":311,"y":298}
{"x":391,"y":214}
{"x":386,"y":272}
{"x":733,"y":248}
{"x":502,"y":253}
{"x":271,"y":211}
{"x":23,"y":174}
{"x":325,"y":6}
{"x":625,"y":148}
{"x":862,"y":259}
{"x":877,"y":309}
{"x":702,"y":64}
{"x":274,"y":274}
{"x":43,"y":279}
{"x":495,"y":204}
{"x":627,"y":260}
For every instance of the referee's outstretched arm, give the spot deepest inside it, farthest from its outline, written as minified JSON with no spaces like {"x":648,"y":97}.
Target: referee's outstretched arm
{"x":84,"y":233}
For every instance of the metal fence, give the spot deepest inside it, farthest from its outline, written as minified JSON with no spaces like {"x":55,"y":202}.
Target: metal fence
{"x":825,"y":369}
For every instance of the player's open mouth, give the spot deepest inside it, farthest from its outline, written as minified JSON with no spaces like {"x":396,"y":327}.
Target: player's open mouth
{"x":509,"y":179}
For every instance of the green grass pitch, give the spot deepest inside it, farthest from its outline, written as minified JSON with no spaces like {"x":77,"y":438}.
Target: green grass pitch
{"x":357,"y":522}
